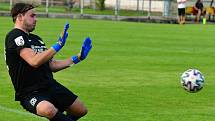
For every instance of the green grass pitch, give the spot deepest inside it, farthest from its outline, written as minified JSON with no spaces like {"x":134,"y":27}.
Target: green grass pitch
{"x":132,"y":72}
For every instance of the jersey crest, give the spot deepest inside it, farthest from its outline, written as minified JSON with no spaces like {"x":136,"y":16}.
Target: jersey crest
{"x":19,"y":41}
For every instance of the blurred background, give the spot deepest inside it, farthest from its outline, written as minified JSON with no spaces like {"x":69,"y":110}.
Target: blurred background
{"x":109,"y":9}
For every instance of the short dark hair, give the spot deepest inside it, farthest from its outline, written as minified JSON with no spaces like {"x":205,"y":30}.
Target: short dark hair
{"x":20,"y":8}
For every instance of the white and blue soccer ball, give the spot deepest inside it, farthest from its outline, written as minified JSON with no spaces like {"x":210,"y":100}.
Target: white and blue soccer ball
{"x":192,"y":80}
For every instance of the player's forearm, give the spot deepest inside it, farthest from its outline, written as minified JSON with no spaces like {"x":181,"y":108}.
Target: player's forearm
{"x":43,"y":57}
{"x":36,"y":59}
{"x":57,"y":65}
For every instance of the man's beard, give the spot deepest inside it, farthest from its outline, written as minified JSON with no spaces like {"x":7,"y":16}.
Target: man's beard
{"x":29,"y":27}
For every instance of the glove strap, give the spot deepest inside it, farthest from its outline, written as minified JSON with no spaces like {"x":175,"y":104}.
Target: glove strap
{"x":75,"y":59}
{"x":56,"y":47}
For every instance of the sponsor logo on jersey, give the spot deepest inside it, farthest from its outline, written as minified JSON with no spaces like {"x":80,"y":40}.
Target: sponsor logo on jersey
{"x":19,"y":41}
{"x":38,"y":49}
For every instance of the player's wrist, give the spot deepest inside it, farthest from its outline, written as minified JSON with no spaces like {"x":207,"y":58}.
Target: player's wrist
{"x":75,"y":59}
{"x":56,"y":47}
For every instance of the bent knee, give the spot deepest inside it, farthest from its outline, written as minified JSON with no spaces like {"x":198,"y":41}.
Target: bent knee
{"x":46,"y":109}
{"x":83,"y":111}
{"x":80,"y":112}
{"x":77,"y":109}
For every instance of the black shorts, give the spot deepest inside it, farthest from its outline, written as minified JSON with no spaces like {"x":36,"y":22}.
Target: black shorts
{"x":181,"y":11}
{"x":58,"y":95}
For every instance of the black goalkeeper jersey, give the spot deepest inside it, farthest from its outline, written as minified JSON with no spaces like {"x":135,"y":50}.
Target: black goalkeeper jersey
{"x":25,"y":78}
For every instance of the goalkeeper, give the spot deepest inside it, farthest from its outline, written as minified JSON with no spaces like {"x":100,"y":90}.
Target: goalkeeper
{"x":30,"y":65}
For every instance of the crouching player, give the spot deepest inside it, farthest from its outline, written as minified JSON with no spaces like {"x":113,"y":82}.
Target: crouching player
{"x":30,"y":65}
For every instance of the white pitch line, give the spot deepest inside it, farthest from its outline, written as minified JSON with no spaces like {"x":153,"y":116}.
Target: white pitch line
{"x":19,"y":112}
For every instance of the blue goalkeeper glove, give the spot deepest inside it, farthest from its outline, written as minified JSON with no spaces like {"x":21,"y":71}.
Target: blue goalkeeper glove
{"x":62,"y":39}
{"x":86,"y":47}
